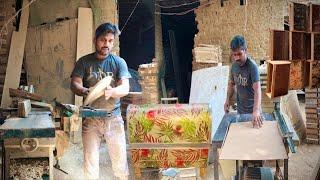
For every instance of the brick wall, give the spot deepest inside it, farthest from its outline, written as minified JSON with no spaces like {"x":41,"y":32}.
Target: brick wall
{"x":217,"y":25}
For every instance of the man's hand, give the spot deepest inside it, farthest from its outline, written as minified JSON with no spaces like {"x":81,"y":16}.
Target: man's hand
{"x":226,"y":107}
{"x":257,"y":119}
{"x":108,"y":92}
{"x":85,"y":91}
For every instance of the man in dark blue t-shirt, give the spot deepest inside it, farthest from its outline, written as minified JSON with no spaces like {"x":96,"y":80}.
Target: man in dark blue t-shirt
{"x":89,"y":70}
{"x":244,"y":75}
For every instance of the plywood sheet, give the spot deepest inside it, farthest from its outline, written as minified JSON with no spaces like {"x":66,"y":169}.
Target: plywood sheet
{"x":84,"y":40}
{"x":243,"y":142}
{"x":210,"y":86}
{"x":50,"y":58}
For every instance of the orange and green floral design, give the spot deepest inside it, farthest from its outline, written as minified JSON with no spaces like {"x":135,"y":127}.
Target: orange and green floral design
{"x":177,"y":125}
{"x":170,"y":123}
{"x":165,"y":158}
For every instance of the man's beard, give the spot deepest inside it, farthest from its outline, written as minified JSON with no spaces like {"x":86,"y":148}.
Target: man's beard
{"x":103,"y":52}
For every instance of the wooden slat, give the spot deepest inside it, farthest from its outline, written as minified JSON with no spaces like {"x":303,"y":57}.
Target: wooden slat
{"x":24,"y":94}
{"x":84,"y":40}
{"x":15,"y":56}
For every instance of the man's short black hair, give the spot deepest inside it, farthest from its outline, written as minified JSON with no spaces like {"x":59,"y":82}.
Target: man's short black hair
{"x":107,"y":28}
{"x":238,"y":42}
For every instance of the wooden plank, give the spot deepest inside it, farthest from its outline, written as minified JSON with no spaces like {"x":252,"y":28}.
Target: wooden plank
{"x":84,"y":40}
{"x":24,"y":108}
{"x":42,"y":105}
{"x":15,"y":56}
{"x":298,"y":46}
{"x":23,"y":94}
{"x":251,"y":143}
{"x":298,"y":17}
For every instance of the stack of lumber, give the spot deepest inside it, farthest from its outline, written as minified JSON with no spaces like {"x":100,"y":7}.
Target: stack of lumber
{"x":149,"y":82}
{"x":312,"y":115}
{"x":205,"y":56}
{"x":7,"y":10}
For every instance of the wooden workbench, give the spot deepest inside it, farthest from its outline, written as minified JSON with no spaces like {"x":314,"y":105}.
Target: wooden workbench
{"x":38,"y":128}
{"x":222,"y":130}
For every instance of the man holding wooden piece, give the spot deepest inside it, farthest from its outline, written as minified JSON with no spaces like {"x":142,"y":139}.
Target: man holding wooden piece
{"x":89,"y":70}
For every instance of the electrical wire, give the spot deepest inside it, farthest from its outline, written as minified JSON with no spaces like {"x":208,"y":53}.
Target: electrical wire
{"x":5,"y":26}
{"x":186,"y":12}
{"x":130,"y":16}
{"x":178,"y":5}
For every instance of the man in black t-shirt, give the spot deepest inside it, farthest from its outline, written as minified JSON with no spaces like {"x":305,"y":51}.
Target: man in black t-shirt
{"x":88,"y":71}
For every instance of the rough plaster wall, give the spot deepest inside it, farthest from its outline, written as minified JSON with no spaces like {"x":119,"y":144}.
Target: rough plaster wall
{"x":217,"y":25}
{"x":47,"y":11}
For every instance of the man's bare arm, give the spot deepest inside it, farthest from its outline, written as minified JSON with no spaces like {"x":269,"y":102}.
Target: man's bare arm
{"x":77,"y":87}
{"x":231,"y":89}
{"x":121,"y":90}
{"x":257,"y":96}
{"x":256,"y":114}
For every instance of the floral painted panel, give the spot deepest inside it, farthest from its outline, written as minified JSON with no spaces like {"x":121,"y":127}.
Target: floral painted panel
{"x":165,"y":158}
{"x":169,"y":123}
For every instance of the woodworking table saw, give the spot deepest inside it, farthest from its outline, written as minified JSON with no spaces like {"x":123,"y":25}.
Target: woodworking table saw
{"x":289,"y":138}
{"x":34,"y":136}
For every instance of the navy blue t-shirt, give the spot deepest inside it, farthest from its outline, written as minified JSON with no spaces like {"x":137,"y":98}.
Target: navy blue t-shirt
{"x":244,"y":77}
{"x":91,"y":70}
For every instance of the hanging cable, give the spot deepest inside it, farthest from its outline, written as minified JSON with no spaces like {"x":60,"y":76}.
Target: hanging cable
{"x":178,"y":5}
{"x":186,"y":12}
{"x":130,"y":15}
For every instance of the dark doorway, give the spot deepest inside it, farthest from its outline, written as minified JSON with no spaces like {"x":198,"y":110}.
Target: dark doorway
{"x":137,"y":39}
{"x":178,"y":31}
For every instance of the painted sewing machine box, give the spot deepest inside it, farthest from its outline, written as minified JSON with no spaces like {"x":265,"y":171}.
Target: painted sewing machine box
{"x":169,"y":135}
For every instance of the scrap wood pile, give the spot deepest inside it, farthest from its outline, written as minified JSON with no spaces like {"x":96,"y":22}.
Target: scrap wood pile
{"x":313,"y":115}
{"x":23,"y":99}
{"x":30,"y":168}
{"x":205,"y":56}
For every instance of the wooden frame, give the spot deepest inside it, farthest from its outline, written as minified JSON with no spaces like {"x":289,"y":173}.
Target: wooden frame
{"x":299,"y":17}
{"x":299,"y":45}
{"x":278,"y":78}
{"x":314,"y":17}
{"x":315,"y":46}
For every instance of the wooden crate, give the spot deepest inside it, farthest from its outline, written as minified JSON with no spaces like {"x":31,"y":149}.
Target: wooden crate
{"x":299,"y":45}
{"x":299,"y":17}
{"x":278,"y":78}
{"x":279,"y":45}
{"x":315,"y":17}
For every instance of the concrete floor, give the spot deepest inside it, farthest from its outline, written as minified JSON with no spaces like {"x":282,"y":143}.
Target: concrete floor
{"x":301,"y":164}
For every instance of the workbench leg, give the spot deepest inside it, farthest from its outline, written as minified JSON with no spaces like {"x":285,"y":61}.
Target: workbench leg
{"x":215,"y":162}
{"x":7,"y":164}
{"x":203,"y":171}
{"x":51,"y":158}
{"x":137,"y":171}
{"x":285,"y":169}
